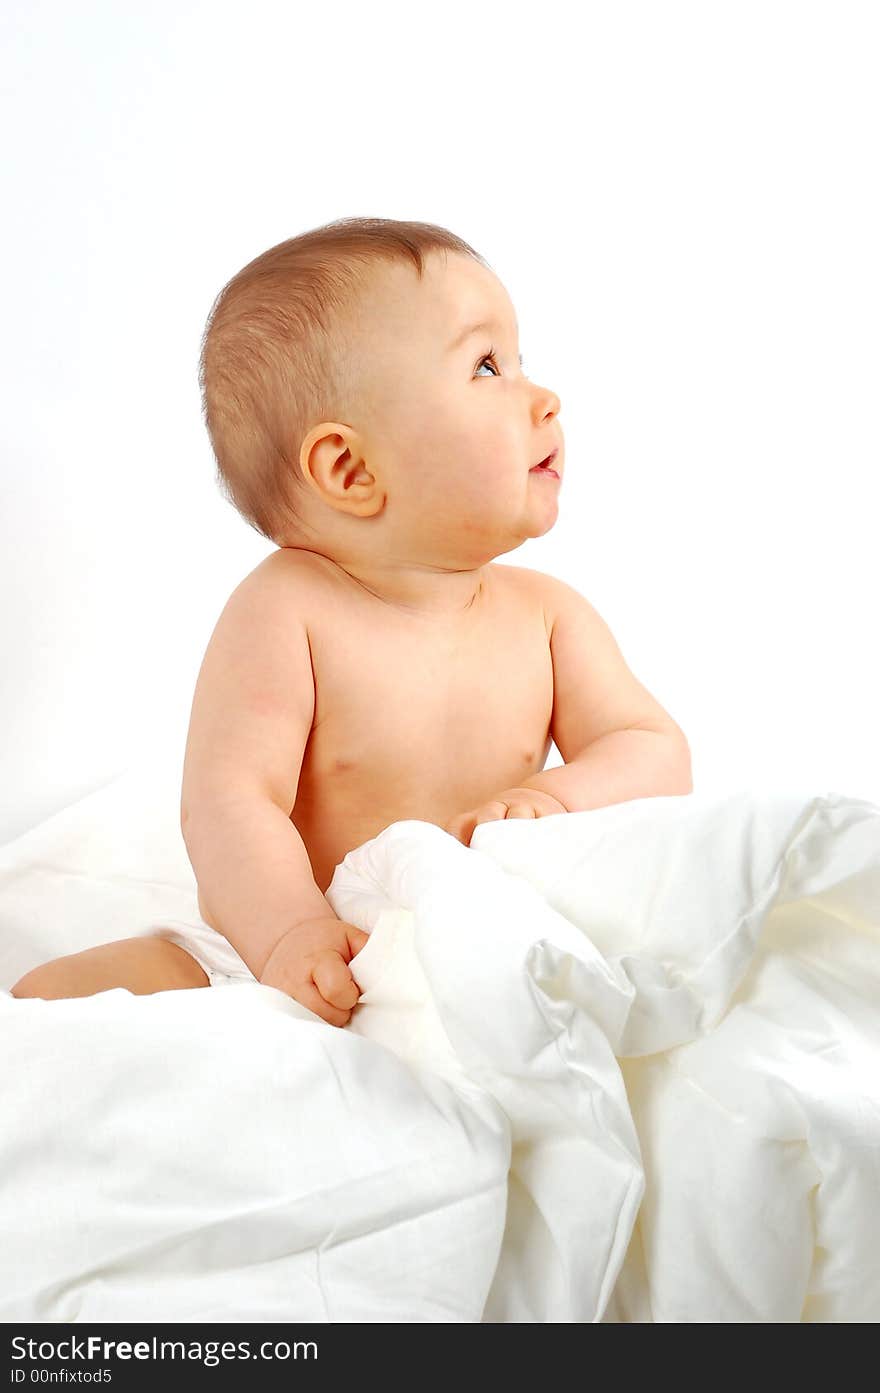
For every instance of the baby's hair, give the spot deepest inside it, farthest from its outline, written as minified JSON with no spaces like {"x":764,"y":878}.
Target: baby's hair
{"x":273,"y":360}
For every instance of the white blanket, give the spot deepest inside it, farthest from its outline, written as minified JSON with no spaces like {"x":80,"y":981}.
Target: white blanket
{"x":619,"y":1065}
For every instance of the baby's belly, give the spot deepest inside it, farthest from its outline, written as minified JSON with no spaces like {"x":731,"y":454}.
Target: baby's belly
{"x":335,"y":814}
{"x":348,"y":818}
{"x":330,"y":837}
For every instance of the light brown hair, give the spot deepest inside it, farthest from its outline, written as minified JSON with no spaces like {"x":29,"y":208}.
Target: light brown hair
{"x":273,"y":362}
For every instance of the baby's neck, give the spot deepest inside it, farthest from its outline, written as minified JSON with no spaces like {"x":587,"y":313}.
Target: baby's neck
{"x":434,"y":592}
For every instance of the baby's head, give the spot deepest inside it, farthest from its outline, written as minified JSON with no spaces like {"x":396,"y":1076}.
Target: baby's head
{"x":364,"y":392}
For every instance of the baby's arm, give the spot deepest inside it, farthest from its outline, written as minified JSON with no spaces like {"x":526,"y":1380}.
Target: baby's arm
{"x":617,"y":741}
{"x":256,"y":884}
{"x":252,"y":713}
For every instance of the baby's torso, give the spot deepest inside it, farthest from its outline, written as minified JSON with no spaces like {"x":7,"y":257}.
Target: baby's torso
{"x":416,"y":719}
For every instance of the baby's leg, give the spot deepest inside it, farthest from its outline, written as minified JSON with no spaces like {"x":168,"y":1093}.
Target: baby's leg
{"x":143,"y":965}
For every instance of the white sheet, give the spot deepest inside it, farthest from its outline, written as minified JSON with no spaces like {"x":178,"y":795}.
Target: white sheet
{"x":609,"y":1066}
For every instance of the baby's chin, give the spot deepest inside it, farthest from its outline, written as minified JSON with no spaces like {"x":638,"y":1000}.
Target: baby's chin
{"x":551,"y":522}
{"x":536,"y":524}
{"x":541,"y":517}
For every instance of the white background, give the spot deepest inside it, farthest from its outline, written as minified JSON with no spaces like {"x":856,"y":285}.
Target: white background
{"x":682,"y":200}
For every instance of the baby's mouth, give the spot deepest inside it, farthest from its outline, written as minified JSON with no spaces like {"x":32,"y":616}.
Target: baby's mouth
{"x":545,"y":466}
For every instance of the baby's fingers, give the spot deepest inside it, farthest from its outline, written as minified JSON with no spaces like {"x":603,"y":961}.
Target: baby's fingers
{"x":463,"y":826}
{"x":522,"y":810}
{"x":308,"y":995}
{"x":332,"y":976}
{"x":357,"y":939}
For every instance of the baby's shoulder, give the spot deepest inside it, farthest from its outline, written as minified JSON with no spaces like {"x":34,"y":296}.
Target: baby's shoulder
{"x":282,"y":587}
{"x":290,"y":569}
{"x":524,"y":577}
{"x":527,"y":588}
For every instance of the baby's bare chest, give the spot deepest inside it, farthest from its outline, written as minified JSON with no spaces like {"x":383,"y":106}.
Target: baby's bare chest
{"x":412,"y":723}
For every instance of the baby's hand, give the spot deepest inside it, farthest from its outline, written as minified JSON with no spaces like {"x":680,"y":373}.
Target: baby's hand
{"x":311,"y":964}
{"x":512,"y":802}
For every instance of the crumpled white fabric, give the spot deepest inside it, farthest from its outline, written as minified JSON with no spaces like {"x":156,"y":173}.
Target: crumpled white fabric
{"x":677,"y":1003}
{"x":618,"y":1065}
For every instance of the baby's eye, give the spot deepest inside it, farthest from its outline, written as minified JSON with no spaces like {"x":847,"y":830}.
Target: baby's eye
{"x":490,"y":358}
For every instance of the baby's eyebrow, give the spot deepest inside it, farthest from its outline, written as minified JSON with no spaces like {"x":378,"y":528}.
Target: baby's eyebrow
{"x":470,"y":329}
{"x":479,"y":328}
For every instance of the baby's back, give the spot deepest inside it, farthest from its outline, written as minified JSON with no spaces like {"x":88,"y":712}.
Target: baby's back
{"x":416,"y":716}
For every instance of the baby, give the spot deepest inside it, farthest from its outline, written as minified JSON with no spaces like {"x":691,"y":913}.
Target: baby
{"x":369,"y":413}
